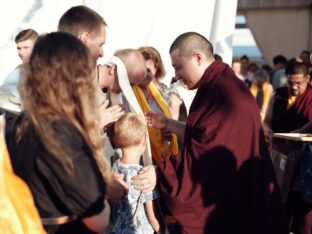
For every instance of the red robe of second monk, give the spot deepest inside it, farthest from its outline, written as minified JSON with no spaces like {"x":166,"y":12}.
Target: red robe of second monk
{"x":222,"y":181}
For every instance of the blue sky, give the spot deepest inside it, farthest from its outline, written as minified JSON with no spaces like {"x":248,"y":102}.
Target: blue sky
{"x":244,"y":42}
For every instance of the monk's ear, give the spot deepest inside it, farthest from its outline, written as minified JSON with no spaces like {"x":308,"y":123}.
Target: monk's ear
{"x":84,"y":37}
{"x":198,"y":58}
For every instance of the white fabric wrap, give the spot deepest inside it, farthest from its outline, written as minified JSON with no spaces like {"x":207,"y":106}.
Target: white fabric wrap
{"x":127,"y":91}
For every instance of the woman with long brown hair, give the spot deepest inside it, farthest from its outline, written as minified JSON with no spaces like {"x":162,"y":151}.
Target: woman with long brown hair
{"x":56,"y":145}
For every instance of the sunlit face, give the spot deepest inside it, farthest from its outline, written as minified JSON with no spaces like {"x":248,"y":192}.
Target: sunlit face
{"x":236,"y":67}
{"x":297,"y":84}
{"x":95,"y":43}
{"x":151,"y":66}
{"x":186,"y":69}
{"x":24,"y":49}
{"x":147,"y":79}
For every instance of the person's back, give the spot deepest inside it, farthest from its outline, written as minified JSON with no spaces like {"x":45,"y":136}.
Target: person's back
{"x":134,"y":213}
{"x":279,"y":78}
{"x":262,"y":90}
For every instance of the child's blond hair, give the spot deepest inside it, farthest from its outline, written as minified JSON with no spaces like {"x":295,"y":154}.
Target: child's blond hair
{"x":129,"y":130}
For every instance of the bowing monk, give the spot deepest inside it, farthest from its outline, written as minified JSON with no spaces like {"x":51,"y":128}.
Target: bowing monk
{"x":222,"y":181}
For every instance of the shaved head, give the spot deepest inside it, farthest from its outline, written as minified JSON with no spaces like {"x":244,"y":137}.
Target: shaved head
{"x":134,"y":63}
{"x":189,"y":42}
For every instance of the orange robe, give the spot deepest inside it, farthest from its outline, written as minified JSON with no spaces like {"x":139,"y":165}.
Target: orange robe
{"x":18,"y":214}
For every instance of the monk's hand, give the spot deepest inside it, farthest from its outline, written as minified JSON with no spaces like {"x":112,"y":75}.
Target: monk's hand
{"x":146,"y":179}
{"x":156,"y":120}
{"x":116,"y":189}
{"x":109,"y":115}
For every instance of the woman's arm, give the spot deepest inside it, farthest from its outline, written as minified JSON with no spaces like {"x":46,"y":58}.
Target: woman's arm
{"x":175,"y":103}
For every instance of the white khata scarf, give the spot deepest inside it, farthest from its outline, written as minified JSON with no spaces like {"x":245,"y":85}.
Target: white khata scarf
{"x":127,"y":91}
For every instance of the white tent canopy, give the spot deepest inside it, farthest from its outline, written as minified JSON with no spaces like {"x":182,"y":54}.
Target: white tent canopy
{"x":131,"y":23}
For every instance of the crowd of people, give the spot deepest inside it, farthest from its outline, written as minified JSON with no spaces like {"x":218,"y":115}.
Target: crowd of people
{"x":109,"y":148}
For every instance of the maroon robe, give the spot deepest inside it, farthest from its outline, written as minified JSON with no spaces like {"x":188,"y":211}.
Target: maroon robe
{"x":288,"y":119}
{"x":223,"y":181}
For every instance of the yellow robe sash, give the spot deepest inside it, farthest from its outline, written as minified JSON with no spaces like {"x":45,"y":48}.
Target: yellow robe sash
{"x":158,"y":145}
{"x":266,"y":96}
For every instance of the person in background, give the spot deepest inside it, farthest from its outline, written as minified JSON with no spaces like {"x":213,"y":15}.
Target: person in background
{"x":252,"y":68}
{"x":290,"y":110}
{"x":25,"y":41}
{"x":222,"y":181}
{"x":262,"y":90}
{"x":245,"y":72}
{"x":156,"y":66}
{"x":236,"y":67}
{"x":305,"y":58}
{"x":56,"y":147}
{"x":279,"y":79}
{"x":138,"y":212}
{"x":269,"y":70}
{"x":12,"y":105}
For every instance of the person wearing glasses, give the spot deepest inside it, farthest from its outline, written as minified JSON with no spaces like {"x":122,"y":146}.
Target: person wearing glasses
{"x":290,"y":110}
{"x":290,"y":107}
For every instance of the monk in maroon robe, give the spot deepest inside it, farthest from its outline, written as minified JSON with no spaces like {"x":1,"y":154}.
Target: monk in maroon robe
{"x":222,"y":181}
{"x":290,"y":109}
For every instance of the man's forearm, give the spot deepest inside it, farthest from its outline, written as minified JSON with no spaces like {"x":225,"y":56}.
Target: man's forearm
{"x":177,"y":128}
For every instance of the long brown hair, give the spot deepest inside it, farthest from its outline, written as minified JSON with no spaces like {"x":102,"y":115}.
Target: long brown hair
{"x":58,"y":85}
